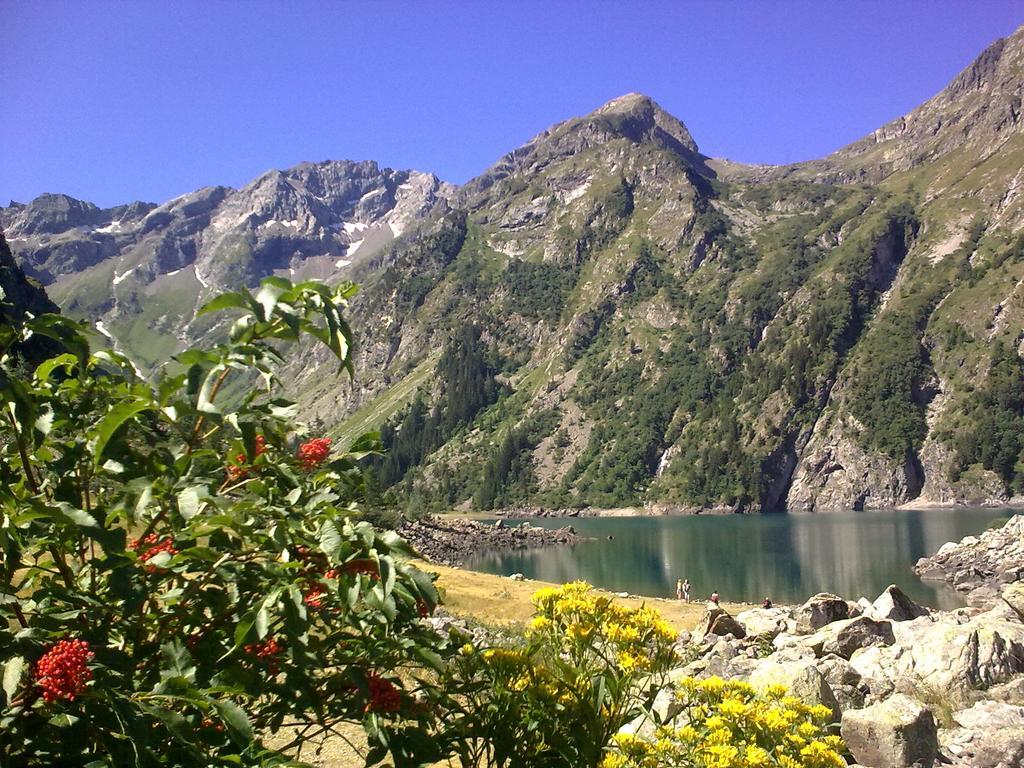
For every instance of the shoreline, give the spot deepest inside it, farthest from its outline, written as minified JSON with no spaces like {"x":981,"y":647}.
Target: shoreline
{"x":526,"y":513}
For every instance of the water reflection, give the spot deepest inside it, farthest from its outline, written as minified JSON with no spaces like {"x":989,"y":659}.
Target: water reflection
{"x":782,"y":557}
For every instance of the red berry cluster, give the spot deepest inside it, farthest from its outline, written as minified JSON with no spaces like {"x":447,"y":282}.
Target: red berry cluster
{"x":62,"y":672}
{"x":422,"y":609}
{"x":313,"y":452}
{"x":238,"y":470}
{"x":214,"y":724}
{"x":384,"y":696}
{"x":314,"y":595}
{"x":152,"y":545}
{"x":268,"y":652}
{"x":368,"y":567}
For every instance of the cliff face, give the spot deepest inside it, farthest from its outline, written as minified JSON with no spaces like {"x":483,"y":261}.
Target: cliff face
{"x":21,"y":296}
{"x":608,"y":317}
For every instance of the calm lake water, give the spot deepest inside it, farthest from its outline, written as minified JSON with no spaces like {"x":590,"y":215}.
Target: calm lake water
{"x":784,"y":557}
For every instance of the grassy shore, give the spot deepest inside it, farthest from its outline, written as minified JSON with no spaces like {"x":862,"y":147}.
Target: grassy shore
{"x":500,"y":600}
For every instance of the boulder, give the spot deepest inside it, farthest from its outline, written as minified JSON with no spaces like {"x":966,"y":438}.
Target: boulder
{"x":876,"y":666}
{"x":1012,"y":598}
{"x":763,"y":621}
{"x":988,"y":735}
{"x":895,"y":733}
{"x":803,"y":679}
{"x":844,"y":681}
{"x":718,"y":621}
{"x":843,"y":638}
{"x":960,"y":658}
{"x":894,"y":605}
{"x":822,"y":609}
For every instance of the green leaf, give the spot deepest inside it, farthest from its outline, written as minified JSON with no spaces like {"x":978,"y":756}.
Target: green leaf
{"x":271,"y":289}
{"x":330,"y":538}
{"x":63,"y":720}
{"x":177,"y":661}
{"x":235,"y":720}
{"x":14,"y":669}
{"x":243,"y":627}
{"x":100,"y":435}
{"x":204,"y":404}
{"x":387,"y":574}
{"x":188,"y":502}
{"x":229,"y":300}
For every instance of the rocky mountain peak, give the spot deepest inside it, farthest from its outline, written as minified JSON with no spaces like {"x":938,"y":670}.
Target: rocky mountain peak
{"x":638,"y":117}
{"x":981,"y":107}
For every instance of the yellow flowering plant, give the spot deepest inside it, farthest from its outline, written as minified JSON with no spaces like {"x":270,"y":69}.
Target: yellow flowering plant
{"x":586,"y":667}
{"x":727,"y":724}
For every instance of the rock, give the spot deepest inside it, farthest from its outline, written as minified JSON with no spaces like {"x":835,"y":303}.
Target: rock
{"x":894,"y":605}
{"x":876,"y":668}
{"x":844,"y":681}
{"x":980,"y":565}
{"x":988,"y":735}
{"x":451,"y":540}
{"x":517,"y":577}
{"x":1013,"y":597}
{"x":959,"y":658}
{"x":802,"y":678}
{"x":895,"y":733}
{"x":763,"y":621}
{"x":843,"y":638}
{"x":822,"y":609}
{"x":718,"y":621}
{"x":1008,"y":693}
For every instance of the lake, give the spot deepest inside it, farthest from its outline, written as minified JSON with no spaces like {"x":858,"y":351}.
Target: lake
{"x":747,"y":558}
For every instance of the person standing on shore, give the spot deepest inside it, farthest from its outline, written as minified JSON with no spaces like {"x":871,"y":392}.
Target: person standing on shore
{"x":679,"y":589}
{"x":686,"y":590}
{"x":714,"y":598}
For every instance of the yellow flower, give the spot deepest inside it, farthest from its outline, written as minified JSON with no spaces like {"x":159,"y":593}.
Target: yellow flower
{"x":578,"y":632}
{"x":819,"y":755}
{"x":732,"y":707}
{"x":715,"y":722}
{"x":687,"y":734}
{"x":807,"y":730}
{"x":719,"y":736}
{"x":820,"y":713}
{"x":615,"y":760}
{"x":756,"y":757}
{"x":540,"y":623}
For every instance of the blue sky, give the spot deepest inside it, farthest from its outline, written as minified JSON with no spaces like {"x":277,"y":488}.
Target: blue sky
{"x":117,"y":101}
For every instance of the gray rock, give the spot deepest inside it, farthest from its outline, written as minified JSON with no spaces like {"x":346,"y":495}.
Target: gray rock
{"x":763,"y":621}
{"x":988,"y":735}
{"x":843,"y":638}
{"x":895,"y":733}
{"x":894,"y":605}
{"x":822,"y":609}
{"x":803,"y":679}
{"x":718,"y":621}
{"x":844,"y":681}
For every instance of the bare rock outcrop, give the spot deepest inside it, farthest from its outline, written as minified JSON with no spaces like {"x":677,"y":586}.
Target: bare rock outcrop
{"x":979,"y":566}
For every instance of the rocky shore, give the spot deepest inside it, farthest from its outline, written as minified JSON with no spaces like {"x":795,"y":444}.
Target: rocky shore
{"x":979,"y":566}
{"x":450,"y":541}
{"x":648,"y":510}
{"x":907,"y":686}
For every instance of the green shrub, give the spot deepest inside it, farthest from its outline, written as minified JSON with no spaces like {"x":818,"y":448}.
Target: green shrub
{"x":179,"y":578}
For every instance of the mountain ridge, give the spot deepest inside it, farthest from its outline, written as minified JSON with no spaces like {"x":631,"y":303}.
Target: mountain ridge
{"x":606,"y":316}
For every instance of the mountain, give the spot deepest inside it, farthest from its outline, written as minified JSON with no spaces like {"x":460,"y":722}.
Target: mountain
{"x":141,"y":270}
{"x":606,"y":316}
{"x":21,"y":296}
